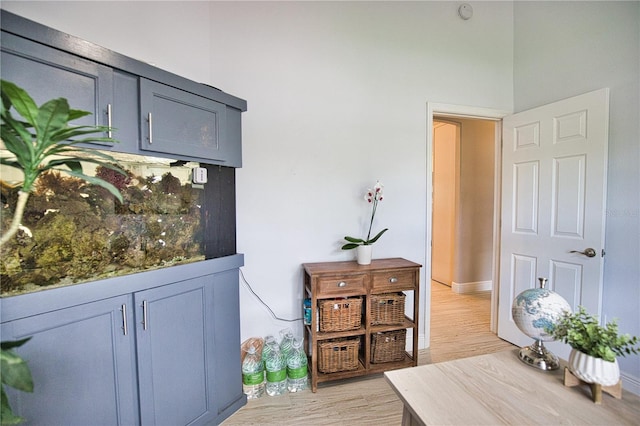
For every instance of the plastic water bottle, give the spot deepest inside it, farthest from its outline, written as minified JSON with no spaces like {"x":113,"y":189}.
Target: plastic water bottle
{"x":286,"y":345}
{"x":276,"y":367}
{"x":297,"y":368}
{"x":252,"y":375}
{"x":307,"y":311}
{"x":269,"y":343}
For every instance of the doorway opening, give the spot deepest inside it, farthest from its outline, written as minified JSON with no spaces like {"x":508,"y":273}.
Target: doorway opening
{"x":472,"y":256}
{"x":463,"y":203}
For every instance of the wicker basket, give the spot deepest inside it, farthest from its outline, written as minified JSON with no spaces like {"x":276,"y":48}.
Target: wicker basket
{"x":388,"y":346}
{"x":340,"y":315}
{"x":387,"y":308}
{"x":338,"y":355}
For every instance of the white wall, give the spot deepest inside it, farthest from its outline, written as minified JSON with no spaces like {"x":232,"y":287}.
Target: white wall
{"x":337,"y":96}
{"x":564,"y":49}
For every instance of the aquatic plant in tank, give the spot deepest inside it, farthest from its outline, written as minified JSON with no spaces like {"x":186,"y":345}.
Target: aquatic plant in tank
{"x":73,"y":231}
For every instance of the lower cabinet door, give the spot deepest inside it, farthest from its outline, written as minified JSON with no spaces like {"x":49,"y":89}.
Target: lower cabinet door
{"x":228,"y":369}
{"x":175,"y":353}
{"x":82,"y":363}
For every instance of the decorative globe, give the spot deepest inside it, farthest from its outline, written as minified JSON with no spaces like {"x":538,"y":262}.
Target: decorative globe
{"x":536,"y":309}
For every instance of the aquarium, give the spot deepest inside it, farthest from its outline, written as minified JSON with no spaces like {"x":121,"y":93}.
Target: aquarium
{"x":74,"y":232}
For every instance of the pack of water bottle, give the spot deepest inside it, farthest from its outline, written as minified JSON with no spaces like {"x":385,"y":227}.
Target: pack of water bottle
{"x":280,"y":368}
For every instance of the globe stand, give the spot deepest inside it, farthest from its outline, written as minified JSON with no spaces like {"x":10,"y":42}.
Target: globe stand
{"x":538,"y":356}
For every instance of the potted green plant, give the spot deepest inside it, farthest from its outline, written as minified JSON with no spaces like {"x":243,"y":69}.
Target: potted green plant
{"x":14,"y":372}
{"x":594,"y":347}
{"x":363,"y":246}
{"x":44,"y":140}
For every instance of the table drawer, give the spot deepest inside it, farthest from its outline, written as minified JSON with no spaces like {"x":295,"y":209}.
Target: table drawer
{"x":338,"y":285}
{"x":394,"y":280}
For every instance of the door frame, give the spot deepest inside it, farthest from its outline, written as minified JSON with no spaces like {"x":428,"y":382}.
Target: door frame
{"x":463,"y":111}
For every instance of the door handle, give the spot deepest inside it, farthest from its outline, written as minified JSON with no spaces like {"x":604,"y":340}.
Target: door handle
{"x":150,"y":120}
{"x":109,"y":122}
{"x":145,"y":324}
{"x":589,"y":252}
{"x":124,"y":319}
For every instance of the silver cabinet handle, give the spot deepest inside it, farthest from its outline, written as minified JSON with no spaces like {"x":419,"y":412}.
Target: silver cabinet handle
{"x":124,"y":319}
{"x":150,"y":129}
{"x":589,"y":252}
{"x":342,"y":284}
{"x":109,"y":132}
{"x":144,"y":314}
{"x":393,"y":280}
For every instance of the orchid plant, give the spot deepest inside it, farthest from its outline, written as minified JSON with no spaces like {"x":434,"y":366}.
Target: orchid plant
{"x":372,"y":196}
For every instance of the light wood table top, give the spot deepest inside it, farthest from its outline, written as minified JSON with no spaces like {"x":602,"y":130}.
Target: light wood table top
{"x":500,"y":389}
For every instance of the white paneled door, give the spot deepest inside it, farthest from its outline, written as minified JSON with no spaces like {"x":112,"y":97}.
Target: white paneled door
{"x":553,"y":205}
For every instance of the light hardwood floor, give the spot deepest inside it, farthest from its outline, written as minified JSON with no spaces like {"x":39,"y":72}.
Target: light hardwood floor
{"x":459,"y":329}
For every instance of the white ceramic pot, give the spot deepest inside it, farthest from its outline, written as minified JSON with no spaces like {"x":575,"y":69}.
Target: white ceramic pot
{"x":363,"y":254}
{"x":593,"y":370}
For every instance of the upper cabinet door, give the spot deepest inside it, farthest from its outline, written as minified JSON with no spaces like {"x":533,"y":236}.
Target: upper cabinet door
{"x":47,"y":73}
{"x":181,"y":123}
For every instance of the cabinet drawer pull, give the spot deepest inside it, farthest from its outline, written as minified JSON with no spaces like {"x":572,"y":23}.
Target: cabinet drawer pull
{"x":342,"y":284}
{"x":150,"y":120}
{"x":144,"y":314}
{"x":393,"y":280}
{"x":124,"y":319}
{"x":109,"y":132}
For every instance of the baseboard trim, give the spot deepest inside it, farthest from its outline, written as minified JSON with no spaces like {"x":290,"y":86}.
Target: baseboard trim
{"x":471,"y":287}
{"x":630,"y":383}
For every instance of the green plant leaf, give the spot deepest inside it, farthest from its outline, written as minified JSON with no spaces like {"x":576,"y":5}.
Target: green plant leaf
{"x":10,"y":163}
{"x":10,"y":344}
{"x":583,"y":332}
{"x":350,"y":246}
{"x":374,"y":239}
{"x":6,"y":415}
{"x":354,"y":240}
{"x":74,"y":114}
{"x":21,"y":101}
{"x":18,"y":136}
{"x":52,"y":117}
{"x":15,"y":371}
{"x":66,"y":135}
{"x":95,"y":181}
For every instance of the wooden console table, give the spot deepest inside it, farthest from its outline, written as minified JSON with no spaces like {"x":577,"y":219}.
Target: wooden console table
{"x":335,"y":281}
{"x":500,"y":389}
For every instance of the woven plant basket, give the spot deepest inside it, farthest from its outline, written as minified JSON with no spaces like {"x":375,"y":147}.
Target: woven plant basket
{"x":387,"y":308}
{"x":338,"y":355}
{"x":388,"y":346}
{"x":341,"y":314}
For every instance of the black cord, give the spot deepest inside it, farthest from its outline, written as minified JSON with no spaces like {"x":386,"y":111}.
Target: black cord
{"x":262,"y":301}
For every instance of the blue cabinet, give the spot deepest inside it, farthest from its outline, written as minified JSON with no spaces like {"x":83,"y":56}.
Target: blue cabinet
{"x":165,"y":354}
{"x":83,"y":365}
{"x":177,"y":345}
{"x":111,"y":96}
{"x":153,"y":112}
{"x":178,"y":122}
{"x":47,"y":73}
{"x":157,"y":347}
